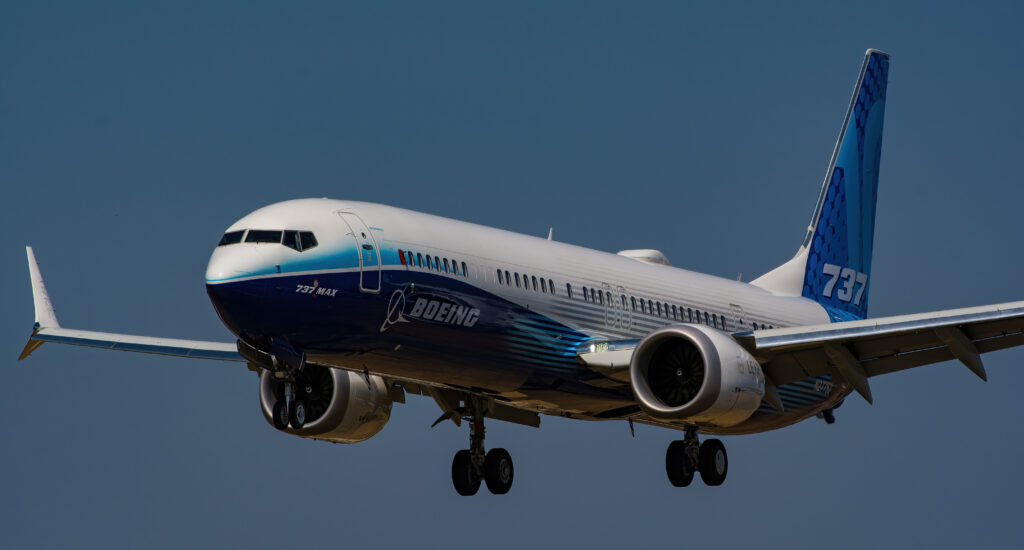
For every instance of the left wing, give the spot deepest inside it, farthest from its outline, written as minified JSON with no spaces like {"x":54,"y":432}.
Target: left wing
{"x":47,"y":329}
{"x":862,"y":349}
{"x":858,"y":349}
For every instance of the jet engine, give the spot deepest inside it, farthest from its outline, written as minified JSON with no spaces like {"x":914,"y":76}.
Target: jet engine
{"x":697,"y":375}
{"x":341,"y":406}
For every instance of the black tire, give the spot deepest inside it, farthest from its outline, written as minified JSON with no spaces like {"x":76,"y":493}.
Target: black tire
{"x":677,"y":465}
{"x":714,"y":462}
{"x":463,"y":477}
{"x":297,"y":414}
{"x":280,"y":415}
{"x":498,"y":471}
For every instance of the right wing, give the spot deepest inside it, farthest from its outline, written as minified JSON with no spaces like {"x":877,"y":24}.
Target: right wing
{"x":47,"y":329}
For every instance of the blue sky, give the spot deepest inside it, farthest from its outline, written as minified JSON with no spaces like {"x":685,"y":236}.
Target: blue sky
{"x":132,"y":135}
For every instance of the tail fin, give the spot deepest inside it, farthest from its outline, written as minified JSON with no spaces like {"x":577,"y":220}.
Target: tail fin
{"x":833,"y":265}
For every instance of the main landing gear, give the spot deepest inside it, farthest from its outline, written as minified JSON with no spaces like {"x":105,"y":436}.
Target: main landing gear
{"x":472,"y":465}
{"x":289,"y":408}
{"x":686,"y":457}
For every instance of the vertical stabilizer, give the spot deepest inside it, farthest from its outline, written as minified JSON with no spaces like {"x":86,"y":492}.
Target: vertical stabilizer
{"x":833,"y":264}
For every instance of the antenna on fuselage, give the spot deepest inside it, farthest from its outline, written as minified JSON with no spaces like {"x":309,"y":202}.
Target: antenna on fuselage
{"x":551,"y":233}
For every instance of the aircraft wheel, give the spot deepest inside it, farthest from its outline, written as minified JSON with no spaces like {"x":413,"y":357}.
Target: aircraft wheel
{"x":297,"y":414}
{"x":280,"y":415}
{"x":714,"y":463}
{"x":677,"y":465}
{"x":463,"y":476}
{"x":498,"y":471}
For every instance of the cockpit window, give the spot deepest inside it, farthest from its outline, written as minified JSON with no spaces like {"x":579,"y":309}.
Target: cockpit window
{"x":299,"y":240}
{"x":291,"y":240}
{"x":231,"y":237}
{"x":296,"y":240}
{"x":263,"y":236}
{"x":307,"y":240}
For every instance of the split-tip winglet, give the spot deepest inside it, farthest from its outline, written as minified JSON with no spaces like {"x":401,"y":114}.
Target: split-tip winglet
{"x":45,"y":316}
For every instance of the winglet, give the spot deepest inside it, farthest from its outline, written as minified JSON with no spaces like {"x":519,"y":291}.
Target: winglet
{"x":45,"y":317}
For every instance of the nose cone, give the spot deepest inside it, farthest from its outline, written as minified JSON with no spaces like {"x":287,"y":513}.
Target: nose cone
{"x":234,"y":262}
{"x":233,"y":282}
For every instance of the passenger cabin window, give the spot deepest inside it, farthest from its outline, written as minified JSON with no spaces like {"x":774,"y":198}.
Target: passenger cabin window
{"x":585,"y":295}
{"x":632,"y":300}
{"x":446,"y":265}
{"x":429,"y":266}
{"x":465,"y":272}
{"x":534,"y":280}
{"x":501,"y":279}
{"x":568,"y":290}
{"x":543,"y":287}
{"x":517,"y":280}
{"x":231,"y":237}
{"x":551,"y":285}
{"x":437,"y":263}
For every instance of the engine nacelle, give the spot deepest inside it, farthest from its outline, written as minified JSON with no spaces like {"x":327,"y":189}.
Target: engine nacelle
{"x":695,"y":374}
{"x":341,"y":406}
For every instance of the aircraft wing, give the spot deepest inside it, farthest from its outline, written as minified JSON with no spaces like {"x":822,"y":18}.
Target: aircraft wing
{"x":858,"y":349}
{"x":47,"y":329}
{"x":196,"y":349}
{"x":862,"y":349}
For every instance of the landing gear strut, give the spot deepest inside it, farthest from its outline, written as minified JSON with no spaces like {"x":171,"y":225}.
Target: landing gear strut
{"x":288,"y":408}
{"x":686,"y":457}
{"x":472,"y":465}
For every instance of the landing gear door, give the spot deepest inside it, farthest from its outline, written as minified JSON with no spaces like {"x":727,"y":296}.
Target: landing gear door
{"x":369,"y":254}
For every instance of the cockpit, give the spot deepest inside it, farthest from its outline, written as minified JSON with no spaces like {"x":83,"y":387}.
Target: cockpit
{"x":296,"y":240}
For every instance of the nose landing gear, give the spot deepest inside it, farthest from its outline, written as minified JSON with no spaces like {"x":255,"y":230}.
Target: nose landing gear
{"x":470,"y":466}
{"x":686,"y":457}
{"x":288,"y":408}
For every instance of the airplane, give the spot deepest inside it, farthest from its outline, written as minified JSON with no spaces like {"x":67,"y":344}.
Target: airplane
{"x":344,"y":308}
